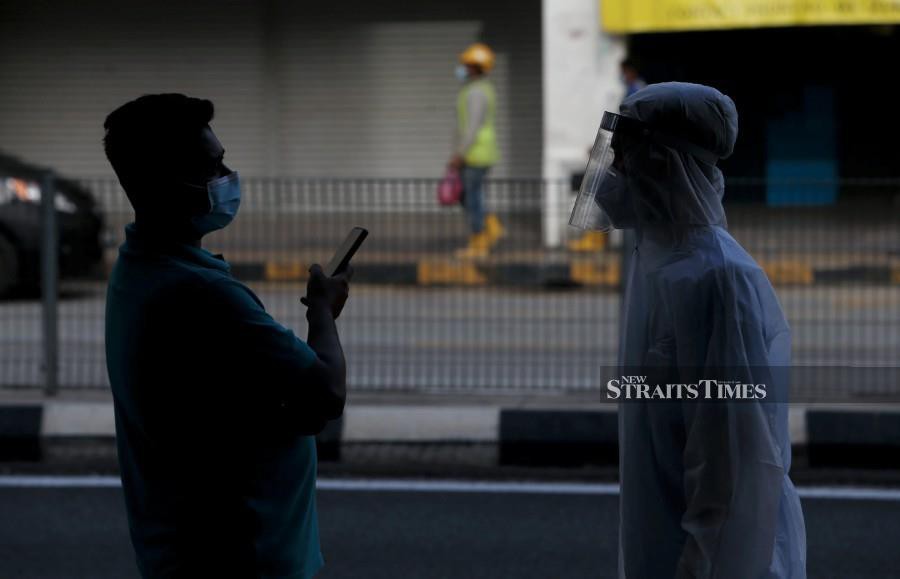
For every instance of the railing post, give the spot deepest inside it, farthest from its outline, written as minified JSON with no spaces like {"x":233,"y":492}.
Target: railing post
{"x":49,"y":283}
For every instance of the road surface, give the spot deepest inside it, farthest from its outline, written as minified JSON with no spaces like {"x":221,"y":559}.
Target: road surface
{"x":434,"y":530}
{"x":483,"y":339}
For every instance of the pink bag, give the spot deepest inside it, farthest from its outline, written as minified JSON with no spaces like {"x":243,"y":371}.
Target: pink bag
{"x":450,"y":188}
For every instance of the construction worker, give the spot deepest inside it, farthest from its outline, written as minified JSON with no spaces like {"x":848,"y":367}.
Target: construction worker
{"x":476,"y":145}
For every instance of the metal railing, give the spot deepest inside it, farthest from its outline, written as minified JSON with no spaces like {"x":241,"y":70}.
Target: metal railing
{"x":526,"y":319}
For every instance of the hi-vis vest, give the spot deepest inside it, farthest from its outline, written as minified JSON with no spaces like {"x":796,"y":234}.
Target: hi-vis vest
{"x":484,"y":151}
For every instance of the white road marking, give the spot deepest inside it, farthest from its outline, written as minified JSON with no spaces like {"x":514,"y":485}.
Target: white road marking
{"x":52,"y":482}
{"x":450,"y":486}
{"x":462,"y":486}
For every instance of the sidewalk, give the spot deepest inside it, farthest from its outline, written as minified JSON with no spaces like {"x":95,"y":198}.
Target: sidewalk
{"x":544,"y":430}
{"x":550,"y":268}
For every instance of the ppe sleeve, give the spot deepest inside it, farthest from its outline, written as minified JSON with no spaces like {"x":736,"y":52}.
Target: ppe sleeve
{"x":733,"y":470}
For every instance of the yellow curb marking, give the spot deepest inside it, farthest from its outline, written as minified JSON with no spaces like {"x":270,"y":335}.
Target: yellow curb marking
{"x":449,"y":271}
{"x":285,"y":271}
{"x":788,"y":272}
{"x":589,"y":272}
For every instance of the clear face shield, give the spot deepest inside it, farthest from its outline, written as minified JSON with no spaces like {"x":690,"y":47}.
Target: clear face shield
{"x":604,"y":202}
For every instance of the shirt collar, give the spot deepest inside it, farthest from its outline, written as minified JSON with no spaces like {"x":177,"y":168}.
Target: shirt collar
{"x":139,"y":241}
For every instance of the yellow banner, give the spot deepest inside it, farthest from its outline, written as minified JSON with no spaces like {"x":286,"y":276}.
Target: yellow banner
{"x":630,"y":16}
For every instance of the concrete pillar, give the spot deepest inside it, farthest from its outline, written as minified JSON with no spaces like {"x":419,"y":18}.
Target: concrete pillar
{"x":581,"y":80}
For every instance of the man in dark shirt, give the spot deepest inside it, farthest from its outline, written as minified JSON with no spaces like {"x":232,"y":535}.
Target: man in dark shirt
{"x":216,"y":403}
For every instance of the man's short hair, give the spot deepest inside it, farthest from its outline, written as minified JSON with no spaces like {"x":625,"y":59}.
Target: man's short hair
{"x":144,"y":133}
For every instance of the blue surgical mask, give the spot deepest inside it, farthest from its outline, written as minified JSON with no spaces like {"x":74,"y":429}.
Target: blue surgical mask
{"x":224,"y":200}
{"x":462,"y":73}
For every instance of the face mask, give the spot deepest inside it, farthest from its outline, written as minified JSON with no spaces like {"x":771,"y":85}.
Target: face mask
{"x":224,"y":200}
{"x":462,"y":73}
{"x":617,"y":205}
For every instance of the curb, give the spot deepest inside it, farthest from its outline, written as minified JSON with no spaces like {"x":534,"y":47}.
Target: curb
{"x":20,"y":433}
{"x":575,"y":272}
{"x":864,"y":437}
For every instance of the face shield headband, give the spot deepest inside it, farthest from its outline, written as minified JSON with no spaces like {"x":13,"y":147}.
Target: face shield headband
{"x":602,"y":203}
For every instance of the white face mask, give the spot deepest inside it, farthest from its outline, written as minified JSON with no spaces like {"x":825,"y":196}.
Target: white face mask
{"x":462,"y":73}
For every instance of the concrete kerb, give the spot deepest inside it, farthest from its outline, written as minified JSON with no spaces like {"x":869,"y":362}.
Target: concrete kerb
{"x":526,"y":435}
{"x":571,"y":272}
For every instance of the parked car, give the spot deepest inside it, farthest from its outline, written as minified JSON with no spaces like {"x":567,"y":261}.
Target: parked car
{"x":80,"y":227}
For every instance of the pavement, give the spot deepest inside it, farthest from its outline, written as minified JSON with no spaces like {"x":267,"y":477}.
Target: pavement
{"x":560,"y":432}
{"x":414,"y":530}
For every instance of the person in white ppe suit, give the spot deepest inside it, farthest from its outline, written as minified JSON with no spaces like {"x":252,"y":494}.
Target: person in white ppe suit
{"x":704,"y":479}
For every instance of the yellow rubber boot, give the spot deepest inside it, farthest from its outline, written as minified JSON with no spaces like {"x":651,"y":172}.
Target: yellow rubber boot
{"x":493,"y":228}
{"x":590,"y":241}
{"x":479,"y":245}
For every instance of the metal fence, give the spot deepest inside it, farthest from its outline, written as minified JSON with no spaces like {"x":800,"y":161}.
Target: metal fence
{"x":527,"y":318}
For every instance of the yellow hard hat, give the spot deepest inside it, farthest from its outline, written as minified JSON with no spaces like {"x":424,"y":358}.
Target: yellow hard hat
{"x":480,"y":55}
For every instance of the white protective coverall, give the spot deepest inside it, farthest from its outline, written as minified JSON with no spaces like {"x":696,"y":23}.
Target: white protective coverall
{"x":705,"y":486}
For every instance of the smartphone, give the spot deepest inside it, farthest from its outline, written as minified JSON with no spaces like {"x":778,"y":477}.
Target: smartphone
{"x":345,"y":252}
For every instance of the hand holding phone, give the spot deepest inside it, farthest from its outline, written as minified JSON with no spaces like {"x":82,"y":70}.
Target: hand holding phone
{"x":329,"y":292}
{"x":330,"y":286}
{"x":345,"y":252}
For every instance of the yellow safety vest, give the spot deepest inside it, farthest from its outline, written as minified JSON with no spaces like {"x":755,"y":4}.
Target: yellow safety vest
{"x":484,"y":151}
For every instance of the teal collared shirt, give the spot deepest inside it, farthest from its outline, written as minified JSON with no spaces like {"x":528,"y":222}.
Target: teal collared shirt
{"x":217,"y":480}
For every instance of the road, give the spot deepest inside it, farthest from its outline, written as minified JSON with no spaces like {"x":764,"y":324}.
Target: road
{"x":75,"y":533}
{"x":459,"y":340}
